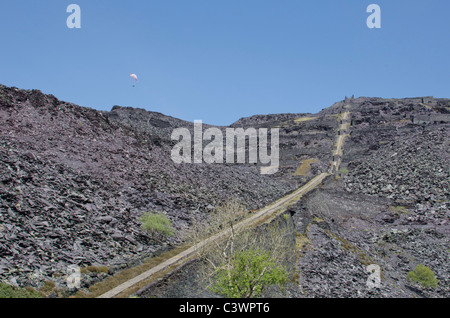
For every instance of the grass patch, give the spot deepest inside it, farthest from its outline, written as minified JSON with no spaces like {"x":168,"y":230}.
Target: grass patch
{"x":157,"y":223}
{"x":301,"y":241}
{"x":291,"y":122}
{"x":94,"y":269}
{"x":399,"y":209}
{"x":305,"y":167}
{"x":8,"y":291}
{"x":316,"y":219}
{"x":303,"y":119}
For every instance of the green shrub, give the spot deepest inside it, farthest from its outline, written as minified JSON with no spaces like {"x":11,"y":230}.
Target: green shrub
{"x":157,"y":224}
{"x":248,"y":274}
{"x":8,"y":291}
{"x":423,"y":275}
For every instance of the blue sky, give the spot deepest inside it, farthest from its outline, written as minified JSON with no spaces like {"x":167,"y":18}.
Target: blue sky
{"x":217,"y":61}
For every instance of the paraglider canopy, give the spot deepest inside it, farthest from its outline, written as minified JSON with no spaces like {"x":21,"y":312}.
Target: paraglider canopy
{"x":135,"y":78}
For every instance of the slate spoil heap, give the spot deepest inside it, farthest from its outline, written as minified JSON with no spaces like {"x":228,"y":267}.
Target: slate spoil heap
{"x":74,"y":182}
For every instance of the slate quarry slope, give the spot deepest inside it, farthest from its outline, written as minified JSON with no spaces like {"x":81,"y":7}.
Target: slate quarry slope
{"x":74,"y":182}
{"x":388,"y":206}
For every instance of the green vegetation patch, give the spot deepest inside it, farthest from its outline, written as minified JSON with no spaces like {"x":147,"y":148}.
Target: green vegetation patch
{"x":8,"y":291}
{"x":303,"y":119}
{"x":301,"y":241}
{"x":248,"y":274}
{"x":94,"y":269}
{"x":157,"y":223}
{"x":305,"y":167}
{"x":398,"y":209}
{"x":343,"y":170}
{"x":423,"y":275}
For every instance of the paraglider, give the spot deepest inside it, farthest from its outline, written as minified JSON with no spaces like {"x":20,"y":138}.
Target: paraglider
{"x":135,"y":78}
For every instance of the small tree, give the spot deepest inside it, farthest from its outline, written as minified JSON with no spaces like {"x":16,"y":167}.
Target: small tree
{"x":248,"y":273}
{"x":423,"y":275}
{"x":157,"y":223}
{"x":225,"y":214}
{"x":244,"y":261}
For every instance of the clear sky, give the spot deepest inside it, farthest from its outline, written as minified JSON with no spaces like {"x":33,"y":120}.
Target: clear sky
{"x":219,"y":60}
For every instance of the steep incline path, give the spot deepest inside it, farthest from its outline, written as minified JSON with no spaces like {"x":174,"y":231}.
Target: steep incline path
{"x":264,"y":215}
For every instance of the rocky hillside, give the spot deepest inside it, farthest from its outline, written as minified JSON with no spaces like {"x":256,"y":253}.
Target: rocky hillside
{"x":74,"y":182}
{"x":387,"y":206}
